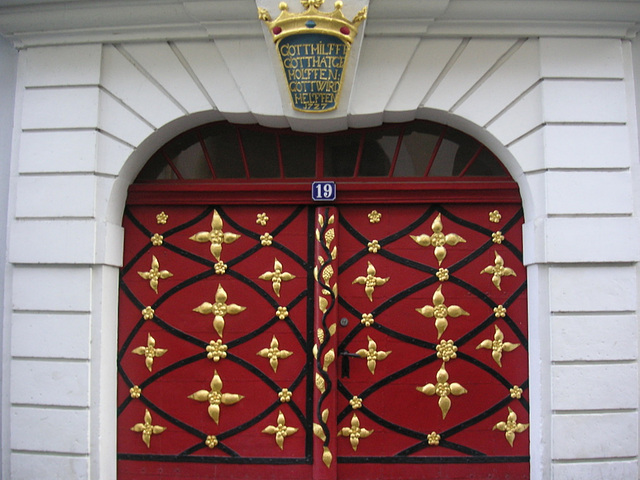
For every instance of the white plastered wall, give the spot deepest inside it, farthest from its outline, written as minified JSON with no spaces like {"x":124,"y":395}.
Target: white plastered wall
{"x":559,"y":113}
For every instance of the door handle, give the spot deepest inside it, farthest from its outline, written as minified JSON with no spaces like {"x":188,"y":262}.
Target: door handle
{"x":344,"y":372}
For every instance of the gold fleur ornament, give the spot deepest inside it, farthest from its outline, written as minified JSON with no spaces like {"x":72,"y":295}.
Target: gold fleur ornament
{"x":443,"y":389}
{"x":438,"y":240}
{"x":511,"y":427}
{"x":280,"y":430}
{"x":277,"y":276}
{"x":372,"y":355}
{"x":498,"y":346}
{"x":498,"y":270}
{"x":355,"y":432}
{"x":147,"y":429}
{"x":370,"y":282}
{"x":219,"y":309}
{"x":215,"y":397}
{"x":433,"y":438}
{"x":216,"y":236}
{"x":150,"y":351}
{"x":273,"y":353}
{"x":440,"y":311}
{"x":154,"y":275}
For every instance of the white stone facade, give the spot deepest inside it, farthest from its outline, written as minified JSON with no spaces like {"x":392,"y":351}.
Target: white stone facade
{"x":552,"y":94}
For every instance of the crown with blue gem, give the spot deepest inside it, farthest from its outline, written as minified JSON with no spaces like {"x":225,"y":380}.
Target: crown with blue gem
{"x":312,"y":20}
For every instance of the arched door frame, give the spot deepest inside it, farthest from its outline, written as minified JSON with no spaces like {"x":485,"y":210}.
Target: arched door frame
{"x":103,"y":418}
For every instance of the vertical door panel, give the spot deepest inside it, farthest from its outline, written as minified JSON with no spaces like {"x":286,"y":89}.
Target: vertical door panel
{"x":214,"y":382}
{"x":400,"y":297}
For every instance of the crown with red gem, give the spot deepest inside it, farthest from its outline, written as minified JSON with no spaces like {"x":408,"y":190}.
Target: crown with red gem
{"x":313,"y":20}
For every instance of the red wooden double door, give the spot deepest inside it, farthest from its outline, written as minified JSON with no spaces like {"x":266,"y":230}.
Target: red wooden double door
{"x":294,"y":342}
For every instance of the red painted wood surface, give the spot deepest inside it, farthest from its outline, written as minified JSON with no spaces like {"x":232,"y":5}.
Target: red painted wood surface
{"x":400,"y":416}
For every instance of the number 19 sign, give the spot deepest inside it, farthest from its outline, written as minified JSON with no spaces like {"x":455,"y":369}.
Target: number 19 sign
{"x":323,"y":191}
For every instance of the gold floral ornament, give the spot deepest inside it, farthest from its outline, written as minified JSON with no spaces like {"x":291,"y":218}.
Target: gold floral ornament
{"x":281,"y":431}
{"x":282,"y":312}
{"x":284,"y":395}
{"x":135,"y":391}
{"x":442,"y":274}
{"x":355,"y":432}
{"x":219,"y":309}
{"x":211,"y":441}
{"x":147,"y":429}
{"x":154,"y":275}
{"x":150,"y":351}
{"x":497,"y":237}
{"x":367,"y":319}
{"x":273,"y":353}
{"x":498,"y":346}
{"x":266,"y":239}
{"x":440,"y":311}
{"x":372,"y":355}
{"x":216,"y":350}
{"x":511,"y":427}
{"x":433,"y":438}
{"x":373,"y":246}
{"x":220,"y":268}
{"x":370,"y":282}
{"x":494,"y":217}
{"x":157,"y":239}
{"x":443,"y":389}
{"x":498,"y":270}
{"x":374,"y":216}
{"x":215,"y":397}
{"x":446,"y":350}
{"x":216,"y":236}
{"x":355,"y":402}
{"x":277,"y":276}
{"x":148,"y":313}
{"x":438,"y":240}
{"x":499,"y":311}
{"x":162,"y":218}
{"x":515,"y":392}
{"x":262,"y":219}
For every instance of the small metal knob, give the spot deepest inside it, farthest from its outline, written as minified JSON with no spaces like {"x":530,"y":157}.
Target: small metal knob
{"x":344,"y":321}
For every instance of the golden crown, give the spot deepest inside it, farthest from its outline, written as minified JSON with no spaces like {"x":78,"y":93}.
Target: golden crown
{"x":313,"y":20}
